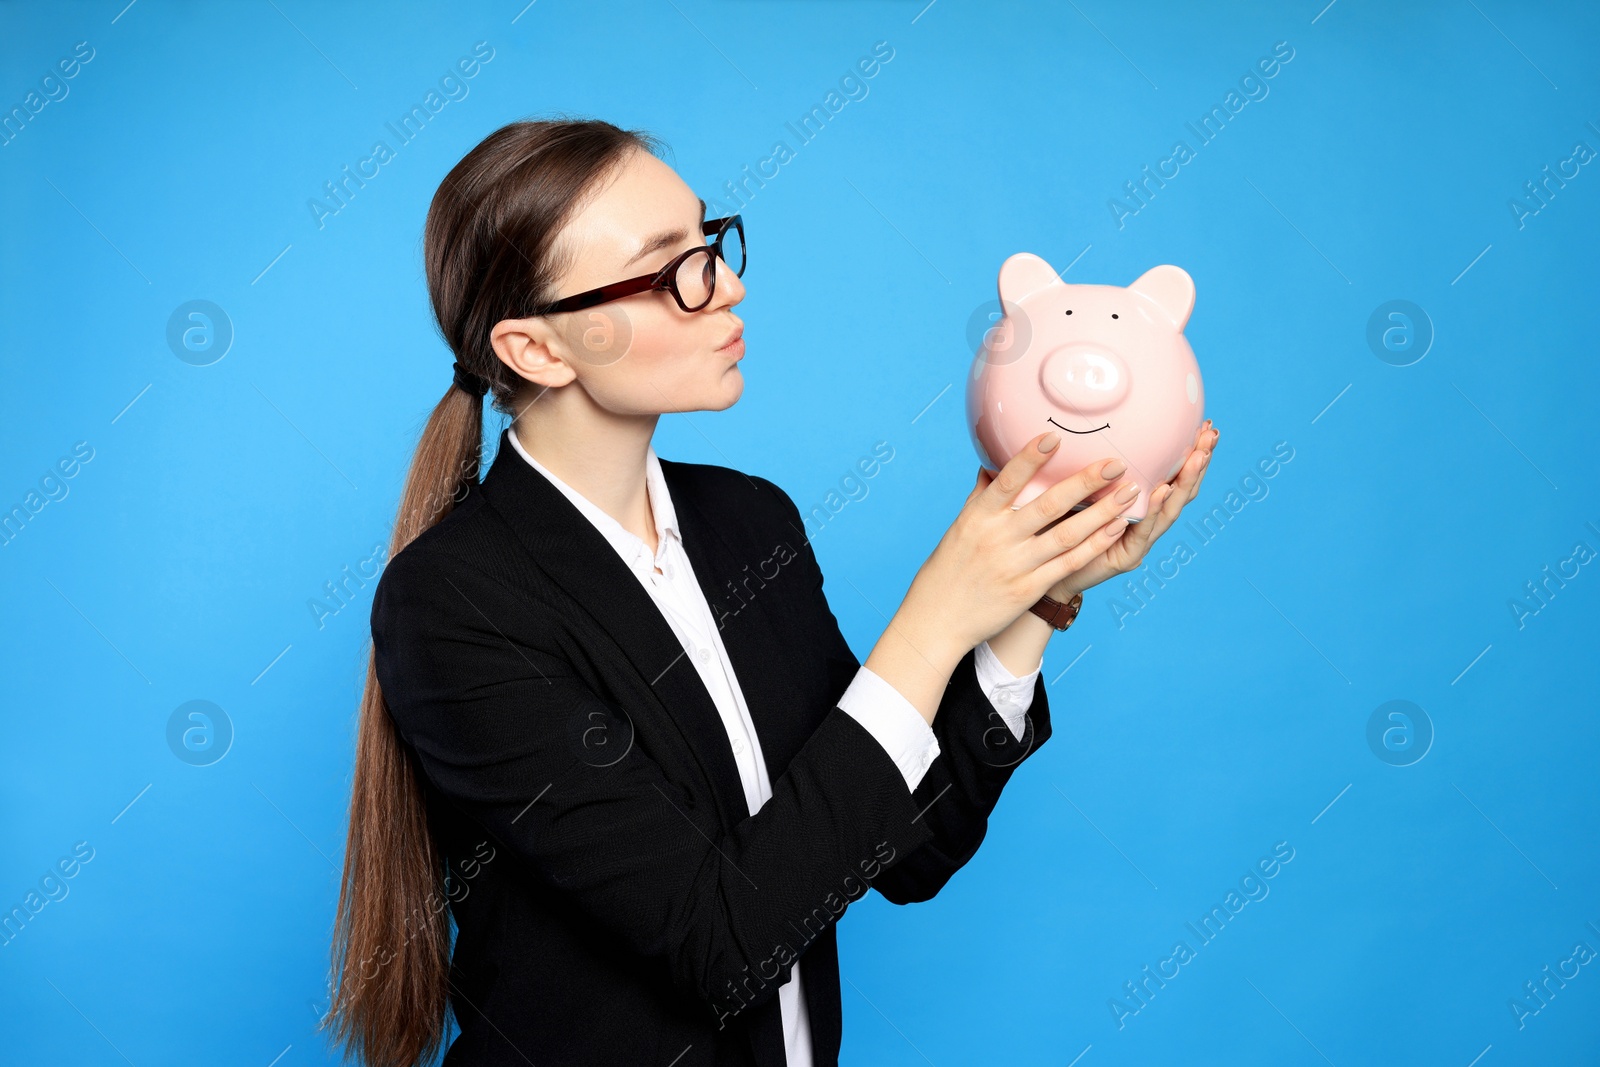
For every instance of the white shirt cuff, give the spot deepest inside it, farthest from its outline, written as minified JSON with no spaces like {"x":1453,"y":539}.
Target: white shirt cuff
{"x":1011,"y":695}
{"x":896,"y":724}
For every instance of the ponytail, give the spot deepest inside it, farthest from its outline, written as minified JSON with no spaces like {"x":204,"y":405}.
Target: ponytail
{"x":487,"y":248}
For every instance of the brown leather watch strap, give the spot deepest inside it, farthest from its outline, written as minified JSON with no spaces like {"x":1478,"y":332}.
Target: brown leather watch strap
{"x":1056,"y":613}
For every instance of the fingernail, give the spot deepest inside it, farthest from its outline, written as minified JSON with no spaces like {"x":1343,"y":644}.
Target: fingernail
{"x":1116,"y":526}
{"x":1127,"y":492}
{"x":1112,"y":470}
{"x":1049,"y":441}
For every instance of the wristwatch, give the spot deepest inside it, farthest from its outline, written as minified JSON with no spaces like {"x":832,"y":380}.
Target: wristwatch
{"x":1056,"y":613}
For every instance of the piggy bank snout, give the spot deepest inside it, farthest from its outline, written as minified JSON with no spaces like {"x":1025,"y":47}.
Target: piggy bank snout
{"x":1084,"y":377}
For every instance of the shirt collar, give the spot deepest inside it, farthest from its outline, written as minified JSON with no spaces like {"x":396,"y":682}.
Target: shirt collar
{"x":628,"y":545}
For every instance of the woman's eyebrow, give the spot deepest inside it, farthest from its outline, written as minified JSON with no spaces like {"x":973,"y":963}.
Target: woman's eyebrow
{"x":664,"y":239}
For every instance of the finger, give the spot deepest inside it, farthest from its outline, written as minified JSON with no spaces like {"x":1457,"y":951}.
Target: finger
{"x":1167,"y":501}
{"x":985,"y":476}
{"x":1199,"y":476}
{"x":1164,"y":508}
{"x":1080,"y":528}
{"x":1189,"y":472}
{"x":1084,"y":553}
{"x":1066,"y":494}
{"x":1019,"y":470}
{"x":1129,"y":550}
{"x":1170,"y":504}
{"x":1172,"y":507}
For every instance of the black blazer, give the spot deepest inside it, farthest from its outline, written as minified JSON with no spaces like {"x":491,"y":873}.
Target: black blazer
{"x":615,"y":900}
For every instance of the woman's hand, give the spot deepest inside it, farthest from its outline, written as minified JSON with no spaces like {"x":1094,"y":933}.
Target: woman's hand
{"x":1168,"y":499}
{"x":995,"y":562}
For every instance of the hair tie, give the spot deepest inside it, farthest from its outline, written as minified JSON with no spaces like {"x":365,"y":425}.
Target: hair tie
{"x":469,"y":382}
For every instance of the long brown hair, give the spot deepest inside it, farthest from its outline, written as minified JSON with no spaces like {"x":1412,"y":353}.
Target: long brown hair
{"x":489,"y":246}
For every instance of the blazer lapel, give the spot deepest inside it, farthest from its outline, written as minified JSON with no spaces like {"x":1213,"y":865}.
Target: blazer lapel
{"x":743,"y":602}
{"x":566,"y":546}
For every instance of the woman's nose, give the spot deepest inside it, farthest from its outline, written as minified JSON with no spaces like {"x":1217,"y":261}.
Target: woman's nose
{"x":730,"y":288}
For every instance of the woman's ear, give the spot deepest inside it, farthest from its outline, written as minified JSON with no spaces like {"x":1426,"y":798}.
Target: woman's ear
{"x":534,"y":350}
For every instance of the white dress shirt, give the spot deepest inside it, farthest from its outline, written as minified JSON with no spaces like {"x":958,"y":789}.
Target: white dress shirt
{"x":887,"y":715}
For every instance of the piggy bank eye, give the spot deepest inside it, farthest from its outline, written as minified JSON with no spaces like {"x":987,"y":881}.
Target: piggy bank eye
{"x":1113,"y":314}
{"x":1069,"y":311}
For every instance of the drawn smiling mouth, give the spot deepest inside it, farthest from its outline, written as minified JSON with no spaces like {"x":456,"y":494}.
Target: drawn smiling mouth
{"x":1097,"y":429}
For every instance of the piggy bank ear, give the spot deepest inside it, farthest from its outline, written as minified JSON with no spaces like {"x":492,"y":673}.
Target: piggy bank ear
{"x":1024,"y":274}
{"x":1171,"y":288}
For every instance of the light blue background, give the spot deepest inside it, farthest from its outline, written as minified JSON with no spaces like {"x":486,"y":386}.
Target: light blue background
{"x":1228,"y":713}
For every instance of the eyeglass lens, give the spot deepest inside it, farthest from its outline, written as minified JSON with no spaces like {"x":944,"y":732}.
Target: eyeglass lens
{"x":695,"y":279}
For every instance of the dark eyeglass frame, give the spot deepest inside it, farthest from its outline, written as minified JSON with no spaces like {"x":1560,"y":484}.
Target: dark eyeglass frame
{"x":665,"y":278}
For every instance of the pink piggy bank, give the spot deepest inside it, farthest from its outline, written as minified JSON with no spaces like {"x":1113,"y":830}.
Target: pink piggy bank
{"x":1106,"y":367}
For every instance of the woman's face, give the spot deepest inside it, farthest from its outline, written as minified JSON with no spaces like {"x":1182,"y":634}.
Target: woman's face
{"x":642,"y":354}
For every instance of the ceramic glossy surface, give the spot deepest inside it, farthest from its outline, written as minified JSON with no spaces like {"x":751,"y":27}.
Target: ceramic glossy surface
{"x":1105,"y":366}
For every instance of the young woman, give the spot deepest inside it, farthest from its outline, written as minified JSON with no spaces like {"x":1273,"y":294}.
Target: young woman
{"x":610,"y":722}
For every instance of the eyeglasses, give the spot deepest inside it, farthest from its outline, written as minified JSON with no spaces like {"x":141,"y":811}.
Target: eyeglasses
{"x":691,"y":278}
